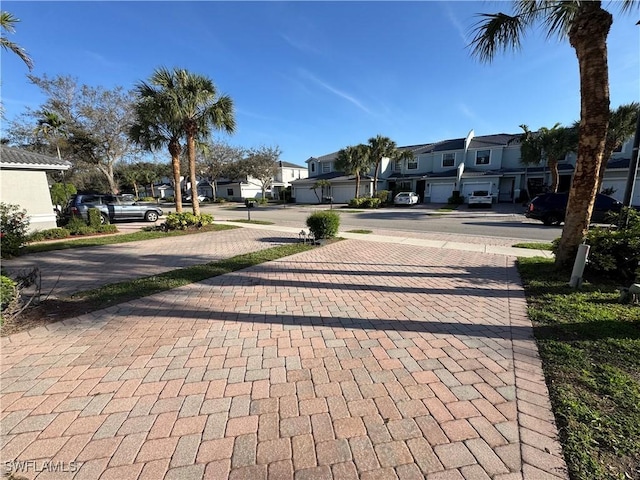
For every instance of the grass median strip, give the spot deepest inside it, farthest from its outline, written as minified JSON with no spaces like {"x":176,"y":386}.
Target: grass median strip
{"x":590,"y":348}
{"x":115,"y":293}
{"x":256,"y":222}
{"x":534,"y":245}
{"x":96,"y":241}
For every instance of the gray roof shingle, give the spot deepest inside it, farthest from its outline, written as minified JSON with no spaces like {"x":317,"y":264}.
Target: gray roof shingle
{"x":11,"y":157}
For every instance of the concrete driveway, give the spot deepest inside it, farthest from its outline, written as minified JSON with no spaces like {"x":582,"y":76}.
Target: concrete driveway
{"x":356,"y":360}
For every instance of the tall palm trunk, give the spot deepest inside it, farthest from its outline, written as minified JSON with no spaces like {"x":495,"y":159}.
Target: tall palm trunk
{"x":609,"y":147}
{"x":375,"y":178}
{"x":191,"y":152}
{"x":588,"y":37}
{"x":175,"y":149}
{"x":357,"y":184}
{"x":555,"y":174}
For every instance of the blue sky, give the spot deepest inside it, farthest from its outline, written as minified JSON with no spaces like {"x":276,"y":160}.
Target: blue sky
{"x":314,"y":77}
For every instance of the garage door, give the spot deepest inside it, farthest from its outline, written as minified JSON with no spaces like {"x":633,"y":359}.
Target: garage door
{"x":469,"y":188}
{"x":440,"y":192}
{"x":343,"y":193}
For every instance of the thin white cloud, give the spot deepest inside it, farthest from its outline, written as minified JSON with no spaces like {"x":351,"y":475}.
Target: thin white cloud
{"x":339,"y":93}
{"x":301,"y":45}
{"x":459,"y":27}
{"x":102,"y":60}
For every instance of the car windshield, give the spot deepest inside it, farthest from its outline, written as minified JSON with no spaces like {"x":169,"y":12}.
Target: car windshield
{"x":480,"y":193}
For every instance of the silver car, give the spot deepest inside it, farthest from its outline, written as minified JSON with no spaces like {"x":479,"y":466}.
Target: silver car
{"x":406,"y":198}
{"x":112,"y":208}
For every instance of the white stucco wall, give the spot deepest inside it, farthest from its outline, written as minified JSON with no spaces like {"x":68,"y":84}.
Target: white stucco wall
{"x":29,"y":189}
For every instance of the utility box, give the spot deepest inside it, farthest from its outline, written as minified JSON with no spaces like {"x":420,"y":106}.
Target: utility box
{"x":249,"y":202}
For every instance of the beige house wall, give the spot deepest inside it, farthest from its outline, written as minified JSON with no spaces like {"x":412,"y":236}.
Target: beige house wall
{"x":29,"y":189}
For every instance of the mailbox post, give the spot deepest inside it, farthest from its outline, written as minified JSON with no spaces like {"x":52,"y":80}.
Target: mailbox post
{"x":249,"y":203}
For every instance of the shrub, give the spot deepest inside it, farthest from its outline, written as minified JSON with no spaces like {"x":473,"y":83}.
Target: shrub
{"x":105,"y":229}
{"x":615,"y":253}
{"x":95,"y":217}
{"x":77,"y":226}
{"x":384,"y":196}
{"x":49,"y":234}
{"x":221,"y":200}
{"x":147,"y":199}
{"x":7,"y":291}
{"x":455,"y":199}
{"x":184,"y":220}
{"x":263,"y":201}
{"x":364,"y":202}
{"x":324,"y":224}
{"x":14,"y":226}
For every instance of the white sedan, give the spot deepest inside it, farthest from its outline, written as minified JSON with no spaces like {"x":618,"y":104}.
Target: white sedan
{"x":406,"y":198}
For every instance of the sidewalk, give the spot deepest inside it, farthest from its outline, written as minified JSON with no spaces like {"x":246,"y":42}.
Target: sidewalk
{"x":358,"y":360}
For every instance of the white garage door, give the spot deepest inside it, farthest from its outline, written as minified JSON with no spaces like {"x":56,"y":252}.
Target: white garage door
{"x":343,"y":193}
{"x":469,"y":188}
{"x":440,"y":192}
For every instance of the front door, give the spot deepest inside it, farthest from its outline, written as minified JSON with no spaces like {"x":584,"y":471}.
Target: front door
{"x":420,"y":188}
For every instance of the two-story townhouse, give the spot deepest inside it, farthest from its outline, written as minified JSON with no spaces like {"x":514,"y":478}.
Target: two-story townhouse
{"x":287,"y":172}
{"x":488,"y":162}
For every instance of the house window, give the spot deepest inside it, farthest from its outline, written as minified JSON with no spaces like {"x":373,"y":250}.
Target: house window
{"x":397,"y":166}
{"x":326,"y":167}
{"x":482,"y":157}
{"x":448,"y":159}
{"x":229,"y":192}
{"x":412,"y":164}
{"x":313,"y":167}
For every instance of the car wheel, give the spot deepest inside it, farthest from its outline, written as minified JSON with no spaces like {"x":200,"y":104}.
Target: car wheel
{"x":104,"y":220}
{"x":151,"y":216}
{"x":552,"y":219}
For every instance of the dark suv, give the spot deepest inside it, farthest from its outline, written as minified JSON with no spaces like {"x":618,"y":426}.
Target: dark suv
{"x":112,"y":208}
{"x":551,"y":208}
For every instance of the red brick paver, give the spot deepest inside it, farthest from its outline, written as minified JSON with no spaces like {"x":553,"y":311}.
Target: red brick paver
{"x":356,"y":360}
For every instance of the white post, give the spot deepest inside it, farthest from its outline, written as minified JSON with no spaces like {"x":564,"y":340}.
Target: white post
{"x":578,"y":265}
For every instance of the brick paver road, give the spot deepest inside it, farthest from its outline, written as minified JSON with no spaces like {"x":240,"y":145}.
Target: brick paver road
{"x":356,"y":360}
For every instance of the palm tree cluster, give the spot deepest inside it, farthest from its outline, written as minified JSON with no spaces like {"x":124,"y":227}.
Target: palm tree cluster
{"x":177,"y":106}
{"x":359,"y":159}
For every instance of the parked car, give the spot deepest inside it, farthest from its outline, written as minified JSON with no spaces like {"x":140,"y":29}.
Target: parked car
{"x":406,"y":198}
{"x":201,"y":198}
{"x":550,"y":208}
{"x":480,"y":198}
{"x":111,"y":207}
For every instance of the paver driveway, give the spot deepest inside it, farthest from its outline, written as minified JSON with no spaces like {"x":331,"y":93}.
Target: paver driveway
{"x":356,"y":360}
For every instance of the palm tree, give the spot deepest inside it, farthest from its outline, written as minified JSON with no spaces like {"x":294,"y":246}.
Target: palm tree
{"x":50,"y":124}
{"x":379,"y":148}
{"x":622,"y":124}
{"x":192,"y":101}
{"x":7,"y":23}
{"x":353,"y":161}
{"x":550,"y":144}
{"x":155,"y":127}
{"x":586,"y":25}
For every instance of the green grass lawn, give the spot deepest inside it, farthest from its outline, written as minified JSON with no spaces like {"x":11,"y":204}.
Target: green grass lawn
{"x":590,"y":348}
{"x":534,"y":245}
{"x":94,"y":241}
{"x":364,"y":232}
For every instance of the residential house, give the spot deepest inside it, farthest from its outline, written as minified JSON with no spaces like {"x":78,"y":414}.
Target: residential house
{"x":287,"y":172}
{"x":490,"y":162}
{"x":23,"y":182}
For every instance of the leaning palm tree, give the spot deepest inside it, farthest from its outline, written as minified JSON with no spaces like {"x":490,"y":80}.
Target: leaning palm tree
{"x":586,"y":25}
{"x":550,"y":145}
{"x":353,"y":161}
{"x":193,"y":102}
{"x":7,"y":24}
{"x":380,"y":147}
{"x":155,"y":127}
{"x":622,"y":125}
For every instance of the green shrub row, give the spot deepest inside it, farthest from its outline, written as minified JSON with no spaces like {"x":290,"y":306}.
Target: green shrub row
{"x":49,"y":234}
{"x":365,"y":202}
{"x":185,"y":220}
